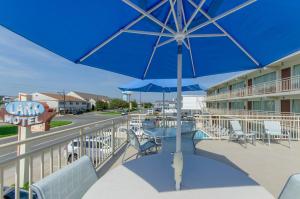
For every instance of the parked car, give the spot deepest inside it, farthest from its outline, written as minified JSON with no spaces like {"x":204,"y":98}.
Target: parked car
{"x":101,"y":147}
{"x":77,"y":112}
{"x":9,"y":193}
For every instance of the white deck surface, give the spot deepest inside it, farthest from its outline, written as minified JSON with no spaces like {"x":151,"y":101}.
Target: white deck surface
{"x":152,"y":177}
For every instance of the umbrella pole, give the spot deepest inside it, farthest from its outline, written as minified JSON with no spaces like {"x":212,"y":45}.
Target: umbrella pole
{"x":178,"y":158}
{"x":163,"y":110}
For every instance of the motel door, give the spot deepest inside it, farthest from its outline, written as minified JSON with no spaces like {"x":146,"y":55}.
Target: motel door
{"x":285,"y":106}
{"x":285,"y":78}
{"x":249,"y":86}
{"x":249,"y":105}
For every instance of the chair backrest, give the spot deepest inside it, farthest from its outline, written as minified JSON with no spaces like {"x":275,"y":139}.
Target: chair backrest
{"x":272,"y":126}
{"x":235,"y":125}
{"x":291,"y":189}
{"x":133,"y":140}
{"x":72,"y":181}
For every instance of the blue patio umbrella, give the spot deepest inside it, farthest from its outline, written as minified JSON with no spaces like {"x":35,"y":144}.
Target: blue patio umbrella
{"x":162,"y":86}
{"x":160,"y":39}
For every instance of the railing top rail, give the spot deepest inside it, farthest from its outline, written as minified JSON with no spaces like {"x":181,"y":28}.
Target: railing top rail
{"x":57,"y":132}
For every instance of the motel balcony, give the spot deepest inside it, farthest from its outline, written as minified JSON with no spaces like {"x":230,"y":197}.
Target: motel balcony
{"x":255,"y":160}
{"x":280,"y":87}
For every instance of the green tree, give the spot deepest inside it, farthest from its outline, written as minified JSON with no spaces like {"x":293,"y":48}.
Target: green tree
{"x":148,"y":105}
{"x":118,"y":103}
{"x":134,"y":104}
{"x":101,"y":105}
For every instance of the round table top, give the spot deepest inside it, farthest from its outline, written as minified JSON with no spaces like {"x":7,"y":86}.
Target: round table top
{"x":152,"y":177}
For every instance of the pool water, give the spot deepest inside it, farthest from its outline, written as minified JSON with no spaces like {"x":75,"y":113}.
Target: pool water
{"x":200,"y":135}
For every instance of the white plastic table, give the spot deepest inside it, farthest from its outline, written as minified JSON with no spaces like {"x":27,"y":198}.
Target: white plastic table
{"x":152,"y":177}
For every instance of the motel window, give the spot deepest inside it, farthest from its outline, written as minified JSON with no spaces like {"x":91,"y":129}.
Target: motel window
{"x":83,"y":103}
{"x":77,"y":103}
{"x":223,"y":90}
{"x":296,"y":106}
{"x":239,"y":105}
{"x":267,"y":105}
{"x":238,"y":85}
{"x":265,"y":78}
{"x":61,"y":103}
{"x":296,"y":70}
{"x":223,"y":105}
{"x":71,"y":103}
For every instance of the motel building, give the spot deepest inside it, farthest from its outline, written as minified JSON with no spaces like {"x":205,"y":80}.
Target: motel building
{"x":91,"y":99}
{"x":274,"y":89}
{"x":59,"y":103}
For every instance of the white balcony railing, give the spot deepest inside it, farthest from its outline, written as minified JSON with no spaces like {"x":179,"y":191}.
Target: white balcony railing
{"x":222,"y":111}
{"x":218,"y":126}
{"x":101,"y":140}
{"x":50,"y":152}
{"x":270,"y":87}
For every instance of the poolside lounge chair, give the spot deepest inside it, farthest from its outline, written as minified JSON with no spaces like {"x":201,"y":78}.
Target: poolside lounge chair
{"x":291,"y":189}
{"x":273,"y":128}
{"x":237,"y":133}
{"x":72,"y":181}
{"x":142,"y":147}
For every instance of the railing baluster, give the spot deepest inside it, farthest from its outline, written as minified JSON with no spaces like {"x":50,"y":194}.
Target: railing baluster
{"x":42,"y":165}
{"x":30,"y":176}
{"x":59,"y":156}
{"x":17,"y":179}
{"x":1,"y":182}
{"x":51,"y":160}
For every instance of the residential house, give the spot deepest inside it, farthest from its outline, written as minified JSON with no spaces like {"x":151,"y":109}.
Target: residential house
{"x":91,"y":99}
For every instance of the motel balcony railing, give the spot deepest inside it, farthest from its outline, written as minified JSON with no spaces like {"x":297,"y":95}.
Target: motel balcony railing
{"x":267,"y":88}
{"x":218,"y":126}
{"x":50,"y":152}
{"x":225,"y":111}
{"x":101,"y":140}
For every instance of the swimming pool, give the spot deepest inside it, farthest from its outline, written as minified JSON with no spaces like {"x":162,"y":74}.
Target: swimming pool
{"x":200,"y":135}
{"x":171,"y":132}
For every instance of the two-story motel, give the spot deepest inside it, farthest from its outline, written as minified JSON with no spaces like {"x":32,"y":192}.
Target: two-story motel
{"x":275,"y":88}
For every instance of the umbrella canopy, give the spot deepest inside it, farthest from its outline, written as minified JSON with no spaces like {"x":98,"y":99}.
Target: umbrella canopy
{"x":161,"y":39}
{"x":138,"y":37}
{"x":161,"y":85}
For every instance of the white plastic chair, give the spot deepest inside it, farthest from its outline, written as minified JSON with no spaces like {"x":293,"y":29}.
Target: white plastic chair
{"x":72,"y":181}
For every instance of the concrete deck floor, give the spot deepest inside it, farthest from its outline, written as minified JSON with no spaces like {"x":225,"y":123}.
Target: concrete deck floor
{"x":268,"y":166}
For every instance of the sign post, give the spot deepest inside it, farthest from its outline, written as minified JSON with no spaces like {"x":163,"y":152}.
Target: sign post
{"x":23,"y":134}
{"x":24,"y":113}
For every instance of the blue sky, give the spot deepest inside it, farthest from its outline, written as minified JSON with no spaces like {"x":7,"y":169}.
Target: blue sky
{"x":26,"y":67}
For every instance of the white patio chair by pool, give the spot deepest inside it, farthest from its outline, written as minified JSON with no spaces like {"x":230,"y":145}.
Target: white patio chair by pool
{"x":237,"y":133}
{"x":291,"y":189}
{"x":72,"y":181}
{"x":273,"y":128}
{"x":142,"y":147}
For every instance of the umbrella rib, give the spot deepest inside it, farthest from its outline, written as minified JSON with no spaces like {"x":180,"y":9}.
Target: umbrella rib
{"x":165,"y":42}
{"x":91,"y":52}
{"x":189,"y":43}
{"x":205,"y":35}
{"x":219,"y":16}
{"x":174,"y":13}
{"x":155,"y":47}
{"x":227,"y":34}
{"x":151,"y":17}
{"x":141,"y":32}
{"x":193,"y":15}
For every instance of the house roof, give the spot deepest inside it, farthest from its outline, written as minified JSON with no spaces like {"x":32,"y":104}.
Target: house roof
{"x":61,"y":97}
{"x":88,"y":96}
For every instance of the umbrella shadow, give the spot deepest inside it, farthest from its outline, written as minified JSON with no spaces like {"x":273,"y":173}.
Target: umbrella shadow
{"x":199,"y":172}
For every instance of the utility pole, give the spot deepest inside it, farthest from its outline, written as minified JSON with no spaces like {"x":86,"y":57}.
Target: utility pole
{"x":63,"y":94}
